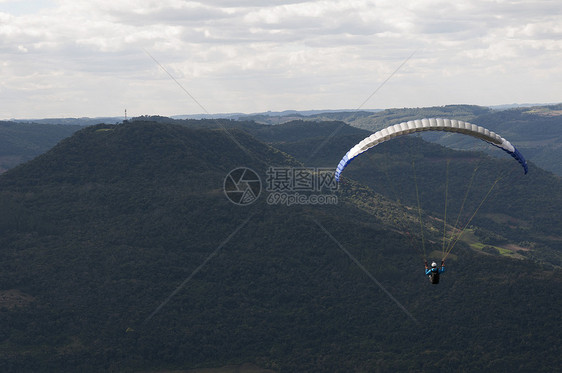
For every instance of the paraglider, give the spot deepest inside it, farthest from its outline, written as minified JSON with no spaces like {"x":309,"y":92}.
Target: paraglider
{"x":434,"y":272}
{"x":433,"y":124}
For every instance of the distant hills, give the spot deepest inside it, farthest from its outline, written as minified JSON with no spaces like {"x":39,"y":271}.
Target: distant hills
{"x":535,"y":129}
{"x":21,"y":142}
{"x":121,"y":252}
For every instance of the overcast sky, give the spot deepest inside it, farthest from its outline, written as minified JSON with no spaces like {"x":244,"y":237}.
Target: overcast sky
{"x":74,"y":58}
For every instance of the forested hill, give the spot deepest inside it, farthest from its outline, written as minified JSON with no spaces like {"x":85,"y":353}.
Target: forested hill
{"x":21,"y":142}
{"x":144,"y":152}
{"x":121,"y":252}
{"x":375,"y":121}
{"x":537,"y":130}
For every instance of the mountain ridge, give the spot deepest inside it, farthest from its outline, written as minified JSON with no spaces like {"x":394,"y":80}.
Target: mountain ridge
{"x":134,"y":259}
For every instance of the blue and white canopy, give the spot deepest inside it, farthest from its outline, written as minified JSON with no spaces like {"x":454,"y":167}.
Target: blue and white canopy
{"x":432,"y":124}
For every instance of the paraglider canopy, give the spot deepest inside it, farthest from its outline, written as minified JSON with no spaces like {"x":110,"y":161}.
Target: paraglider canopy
{"x":432,"y":124}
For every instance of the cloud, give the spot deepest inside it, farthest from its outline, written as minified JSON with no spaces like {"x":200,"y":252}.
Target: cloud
{"x":253,"y":55}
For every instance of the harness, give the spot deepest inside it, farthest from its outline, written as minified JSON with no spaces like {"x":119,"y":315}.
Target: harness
{"x":434,"y":276}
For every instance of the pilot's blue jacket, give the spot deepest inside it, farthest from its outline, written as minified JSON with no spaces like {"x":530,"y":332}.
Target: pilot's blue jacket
{"x":431,"y":269}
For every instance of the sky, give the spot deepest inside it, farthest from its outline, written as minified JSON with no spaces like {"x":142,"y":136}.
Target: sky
{"x":75,"y":58}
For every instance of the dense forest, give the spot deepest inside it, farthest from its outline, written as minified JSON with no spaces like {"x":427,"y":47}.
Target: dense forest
{"x":21,"y":142}
{"x":120,"y":252}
